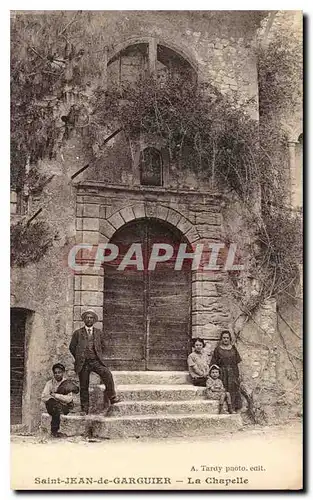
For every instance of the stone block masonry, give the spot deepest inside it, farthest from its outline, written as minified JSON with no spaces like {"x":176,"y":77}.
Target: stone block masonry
{"x":196,"y":216}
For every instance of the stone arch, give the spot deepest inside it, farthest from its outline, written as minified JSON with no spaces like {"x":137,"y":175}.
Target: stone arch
{"x":142,"y":210}
{"x":183,"y":52}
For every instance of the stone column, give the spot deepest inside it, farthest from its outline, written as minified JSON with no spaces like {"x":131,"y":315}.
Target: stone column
{"x":152,"y":55}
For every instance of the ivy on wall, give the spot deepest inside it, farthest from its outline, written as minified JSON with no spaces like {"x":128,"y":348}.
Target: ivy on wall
{"x":201,"y":128}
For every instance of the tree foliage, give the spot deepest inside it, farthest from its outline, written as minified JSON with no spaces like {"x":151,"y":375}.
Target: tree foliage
{"x":29,"y":242}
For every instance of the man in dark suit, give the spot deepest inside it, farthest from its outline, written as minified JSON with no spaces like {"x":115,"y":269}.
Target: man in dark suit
{"x":87,"y":348}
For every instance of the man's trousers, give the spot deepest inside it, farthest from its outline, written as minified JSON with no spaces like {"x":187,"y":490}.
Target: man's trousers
{"x":56,"y":409}
{"x":94,"y":365}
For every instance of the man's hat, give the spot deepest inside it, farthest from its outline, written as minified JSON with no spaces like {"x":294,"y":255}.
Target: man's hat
{"x":58,"y":365}
{"x":90,"y":311}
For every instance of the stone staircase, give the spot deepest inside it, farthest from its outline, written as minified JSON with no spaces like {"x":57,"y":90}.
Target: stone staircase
{"x":153,"y":404}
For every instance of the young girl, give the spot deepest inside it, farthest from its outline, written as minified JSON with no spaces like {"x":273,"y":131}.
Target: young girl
{"x":198,"y":363}
{"x":216,"y":389}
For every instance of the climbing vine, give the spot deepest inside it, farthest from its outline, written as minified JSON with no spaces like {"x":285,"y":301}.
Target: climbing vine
{"x":54,"y":55}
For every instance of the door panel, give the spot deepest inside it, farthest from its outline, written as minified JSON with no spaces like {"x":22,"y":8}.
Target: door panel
{"x":124,"y":308}
{"x":147,"y":313}
{"x":17,"y":348}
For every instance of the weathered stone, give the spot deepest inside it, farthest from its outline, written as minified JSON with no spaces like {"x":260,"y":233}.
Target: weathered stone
{"x":127,"y":214}
{"x":205,"y":303}
{"x":214,"y":219}
{"x":207,"y":331}
{"x":91,"y":271}
{"x":164,"y":408}
{"x":91,"y":237}
{"x":79,"y":209}
{"x":102,"y":212}
{"x":173,"y":217}
{"x":92,"y":298}
{"x":79,"y":237}
{"x":161,"y":212}
{"x":77,"y":282}
{"x":79,"y":224}
{"x":184,"y":225}
{"x":204,"y":289}
{"x":159,"y":426}
{"x":90,"y":224}
{"x":91,"y":283}
{"x":192,"y":235}
{"x":77,"y":313}
{"x":106,"y":229}
{"x":139,"y":211}
{"x":91,"y":210}
{"x":203,"y":318}
{"x":151,"y":210}
{"x":103,"y":238}
{"x":116,"y":220}
{"x":77,"y":298}
{"x":209,"y":231}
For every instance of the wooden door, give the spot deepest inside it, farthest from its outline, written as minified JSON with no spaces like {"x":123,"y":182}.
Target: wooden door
{"x":147,"y":313}
{"x":17,"y":354}
{"x":168,"y":307}
{"x":124,"y":307}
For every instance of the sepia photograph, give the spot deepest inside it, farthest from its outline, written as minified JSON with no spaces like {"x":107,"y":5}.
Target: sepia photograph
{"x":156,"y":315}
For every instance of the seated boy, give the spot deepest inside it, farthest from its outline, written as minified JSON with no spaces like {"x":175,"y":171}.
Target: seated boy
{"x":216,"y":389}
{"x":56,"y":404}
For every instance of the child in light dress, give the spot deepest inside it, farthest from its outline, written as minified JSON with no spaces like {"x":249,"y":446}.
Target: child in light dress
{"x":216,"y":390}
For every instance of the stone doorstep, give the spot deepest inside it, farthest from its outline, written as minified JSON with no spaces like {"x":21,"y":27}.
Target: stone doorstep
{"x":144,"y":392}
{"x":144,"y":426}
{"x":157,"y":392}
{"x":126,"y":408}
{"x":151,"y":377}
{"x":142,"y":377}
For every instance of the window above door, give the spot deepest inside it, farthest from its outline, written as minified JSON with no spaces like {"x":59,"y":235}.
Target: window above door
{"x":151,"y":167}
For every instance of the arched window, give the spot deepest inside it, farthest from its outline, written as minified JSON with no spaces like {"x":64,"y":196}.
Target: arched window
{"x":139,"y":60}
{"x":150,"y":165}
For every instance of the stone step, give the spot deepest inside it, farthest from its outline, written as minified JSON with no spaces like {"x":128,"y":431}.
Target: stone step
{"x":162,"y":408}
{"x":151,"y":377}
{"x":144,"y":392}
{"x":143,"y":377}
{"x":160,"y":426}
{"x":158,"y":392}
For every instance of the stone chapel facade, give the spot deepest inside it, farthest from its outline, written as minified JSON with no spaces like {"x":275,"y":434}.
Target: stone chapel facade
{"x":136,"y":195}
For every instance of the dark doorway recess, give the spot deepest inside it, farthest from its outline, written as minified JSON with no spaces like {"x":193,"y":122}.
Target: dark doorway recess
{"x":17,"y":367}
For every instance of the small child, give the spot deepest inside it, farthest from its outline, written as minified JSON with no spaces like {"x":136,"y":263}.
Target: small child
{"x":216,"y":389}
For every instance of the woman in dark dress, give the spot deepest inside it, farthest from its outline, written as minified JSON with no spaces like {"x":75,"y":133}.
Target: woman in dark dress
{"x":226,"y":356}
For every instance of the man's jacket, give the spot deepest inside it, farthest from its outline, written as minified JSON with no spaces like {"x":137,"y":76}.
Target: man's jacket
{"x":79,"y":343}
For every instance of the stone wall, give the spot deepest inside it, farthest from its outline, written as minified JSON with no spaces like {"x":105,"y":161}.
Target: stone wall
{"x":219,"y":45}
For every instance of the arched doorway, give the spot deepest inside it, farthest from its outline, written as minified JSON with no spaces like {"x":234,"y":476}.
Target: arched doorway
{"x":147,"y":312}
{"x":17,"y":364}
